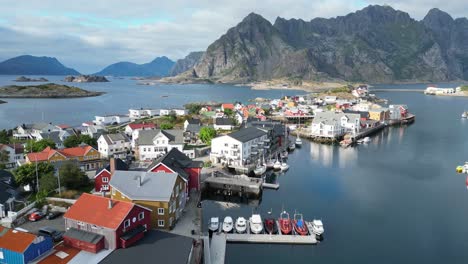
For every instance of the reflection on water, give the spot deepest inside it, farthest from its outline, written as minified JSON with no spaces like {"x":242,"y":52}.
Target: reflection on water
{"x":332,"y":156}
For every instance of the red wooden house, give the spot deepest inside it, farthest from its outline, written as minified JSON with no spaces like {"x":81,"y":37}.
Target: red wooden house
{"x":97,"y":222}
{"x":177,"y":162}
{"x":103,"y":175}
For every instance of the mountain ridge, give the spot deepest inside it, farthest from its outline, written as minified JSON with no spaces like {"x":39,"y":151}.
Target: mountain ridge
{"x":34,"y":65}
{"x":160,"y":66}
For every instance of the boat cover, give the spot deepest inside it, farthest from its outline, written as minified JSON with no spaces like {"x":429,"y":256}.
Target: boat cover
{"x":300,"y":223}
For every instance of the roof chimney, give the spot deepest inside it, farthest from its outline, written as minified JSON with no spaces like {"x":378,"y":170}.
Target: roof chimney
{"x":110,"y":204}
{"x":112,"y":165}
{"x":138,"y":179}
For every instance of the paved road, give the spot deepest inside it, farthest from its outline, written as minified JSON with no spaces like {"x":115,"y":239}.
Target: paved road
{"x":57,"y":223}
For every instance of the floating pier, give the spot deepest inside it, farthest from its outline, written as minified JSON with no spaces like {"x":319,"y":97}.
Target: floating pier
{"x":271,"y":185}
{"x":234,"y":184}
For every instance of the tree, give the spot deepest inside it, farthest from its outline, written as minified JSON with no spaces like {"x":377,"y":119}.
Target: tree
{"x":194,"y":109}
{"x":48,"y":182}
{"x":72,"y":176}
{"x":167,"y":126}
{"x":86,"y":139}
{"x":207,"y":134}
{"x":4,"y":138}
{"x":229,"y":112}
{"x":38,"y":146}
{"x":72,"y":141}
{"x":26,"y":174}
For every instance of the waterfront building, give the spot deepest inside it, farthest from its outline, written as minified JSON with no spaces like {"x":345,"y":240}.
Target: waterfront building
{"x":164,"y":193}
{"x":28,"y":131}
{"x":111,"y":119}
{"x":333,"y":125}
{"x":142,"y":113}
{"x":96,"y":222}
{"x":176,"y":111}
{"x":379,"y":114}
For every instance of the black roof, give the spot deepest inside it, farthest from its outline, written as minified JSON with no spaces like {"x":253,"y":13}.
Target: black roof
{"x":177,"y":161}
{"x":363,"y":114}
{"x":224,"y":122}
{"x":82,"y":235}
{"x":119,"y":165}
{"x":194,"y":121}
{"x":7,"y":178}
{"x":155,"y":246}
{"x":247,"y":134}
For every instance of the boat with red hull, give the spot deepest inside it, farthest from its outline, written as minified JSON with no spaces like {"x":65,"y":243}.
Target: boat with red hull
{"x":299,"y":225}
{"x":285,"y":223}
{"x":270,"y":226}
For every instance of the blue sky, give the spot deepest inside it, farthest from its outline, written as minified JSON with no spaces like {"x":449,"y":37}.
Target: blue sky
{"x":89,"y":35}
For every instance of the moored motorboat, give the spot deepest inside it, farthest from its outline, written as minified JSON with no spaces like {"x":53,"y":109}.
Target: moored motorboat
{"x":284,"y":155}
{"x":317,"y":227}
{"x":241,"y":225}
{"x":284,"y":166}
{"x":292,"y":146}
{"x":228,"y":224}
{"x":285,"y":223}
{"x":270,"y":164}
{"x":464,"y":114}
{"x":260,"y":169}
{"x":214,"y":224}
{"x":277,"y":165}
{"x":256,"y":224}
{"x":366,"y":140}
{"x":270,"y":226}
{"x":298,"y":142}
{"x":299,"y":225}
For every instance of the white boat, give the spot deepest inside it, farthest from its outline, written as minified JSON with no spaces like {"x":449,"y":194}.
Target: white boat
{"x":241,"y":225}
{"x":292,"y":127}
{"x":214,"y":224}
{"x":284,"y":155}
{"x":260,"y":169}
{"x":464,"y":114}
{"x":228,"y":224}
{"x":284,"y":166}
{"x":270,"y":164}
{"x":256,"y":224}
{"x":298,"y":142}
{"x":366,"y":140}
{"x":277,"y":165}
{"x":292,"y":146}
{"x":317,"y":227}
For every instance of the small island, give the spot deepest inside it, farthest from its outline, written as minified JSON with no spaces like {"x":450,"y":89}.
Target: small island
{"x":86,"y":78}
{"x":26,"y":79}
{"x":49,"y":90}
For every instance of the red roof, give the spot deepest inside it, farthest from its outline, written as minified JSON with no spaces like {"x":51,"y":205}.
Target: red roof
{"x":62,"y":126}
{"x":67,"y":152}
{"x":14,"y":240}
{"x":228,"y":106}
{"x":94,"y":209}
{"x":141,"y":126}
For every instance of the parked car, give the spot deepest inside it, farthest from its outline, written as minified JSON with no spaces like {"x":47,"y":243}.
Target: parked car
{"x":50,"y":232}
{"x":36,"y":216}
{"x":53,"y":215}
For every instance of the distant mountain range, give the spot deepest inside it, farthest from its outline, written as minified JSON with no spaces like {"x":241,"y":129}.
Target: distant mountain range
{"x":31,"y":65}
{"x":161,"y":66}
{"x":186,"y":63}
{"x":376,"y":44}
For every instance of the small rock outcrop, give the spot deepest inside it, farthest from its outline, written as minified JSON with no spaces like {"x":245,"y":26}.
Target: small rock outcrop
{"x":86,"y":78}
{"x":26,"y":79}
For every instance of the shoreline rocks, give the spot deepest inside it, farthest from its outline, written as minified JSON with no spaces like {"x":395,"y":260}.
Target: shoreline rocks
{"x":86,"y":78}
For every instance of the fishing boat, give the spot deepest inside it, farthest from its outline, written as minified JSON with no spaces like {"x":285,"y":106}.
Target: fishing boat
{"x":299,"y":225}
{"x":241,"y":225}
{"x":292,"y":146}
{"x":317,"y":227}
{"x":277,"y":165}
{"x":260,"y":169}
{"x":463,"y":168}
{"x":228,"y":224}
{"x":213,"y":226}
{"x":285,"y":223}
{"x":284,"y":155}
{"x":284,"y":166}
{"x":366,"y":140}
{"x":270,"y":226}
{"x":256,"y":225}
{"x":464,"y":114}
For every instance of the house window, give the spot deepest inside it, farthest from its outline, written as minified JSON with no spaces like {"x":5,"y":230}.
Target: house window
{"x":157,"y":142}
{"x":161,"y":223}
{"x":160,"y":211}
{"x":127,"y":223}
{"x":141,"y":215}
{"x":105,"y":179}
{"x":80,"y":224}
{"x":144,"y":149}
{"x":225,"y":144}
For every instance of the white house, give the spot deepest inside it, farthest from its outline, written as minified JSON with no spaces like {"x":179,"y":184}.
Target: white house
{"x":330,"y":99}
{"x":15,"y":154}
{"x":438,"y":91}
{"x":143,"y":126}
{"x":223,"y":124}
{"x":239,"y":117}
{"x":141,"y":113}
{"x":178,"y":112}
{"x":332,"y":125}
{"x":191,"y":121}
{"x":94,"y":131}
{"x":113,"y":145}
{"x":26,"y":131}
{"x":240,"y":147}
{"x":152,"y":144}
{"x":111,"y":119}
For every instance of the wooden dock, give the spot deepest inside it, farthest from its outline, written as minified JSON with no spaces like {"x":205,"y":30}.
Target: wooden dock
{"x":271,"y":239}
{"x":234,"y":184}
{"x":218,"y":248}
{"x":271,"y":185}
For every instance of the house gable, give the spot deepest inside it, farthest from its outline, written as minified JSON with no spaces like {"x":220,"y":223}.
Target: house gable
{"x":161,"y":167}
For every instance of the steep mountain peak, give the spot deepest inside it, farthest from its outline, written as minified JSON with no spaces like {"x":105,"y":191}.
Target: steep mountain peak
{"x":438,"y":17}
{"x":381,"y":14}
{"x":162,"y":59}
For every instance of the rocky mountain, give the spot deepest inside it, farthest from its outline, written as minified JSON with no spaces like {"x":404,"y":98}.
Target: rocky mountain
{"x":158,"y":67}
{"x":186,"y":63}
{"x":376,"y":44}
{"x":31,"y":65}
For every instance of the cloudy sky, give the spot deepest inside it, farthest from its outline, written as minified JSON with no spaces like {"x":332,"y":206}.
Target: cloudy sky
{"x":89,"y":35}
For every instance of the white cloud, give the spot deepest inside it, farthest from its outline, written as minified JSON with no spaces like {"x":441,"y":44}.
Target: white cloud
{"x":89,"y":35}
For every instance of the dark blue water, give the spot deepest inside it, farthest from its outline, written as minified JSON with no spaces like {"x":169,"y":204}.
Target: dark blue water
{"x":396,"y":200}
{"x":121,"y":94}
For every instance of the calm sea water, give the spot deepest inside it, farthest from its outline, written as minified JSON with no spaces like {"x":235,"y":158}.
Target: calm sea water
{"x":121,"y":94}
{"x":395,"y":200}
